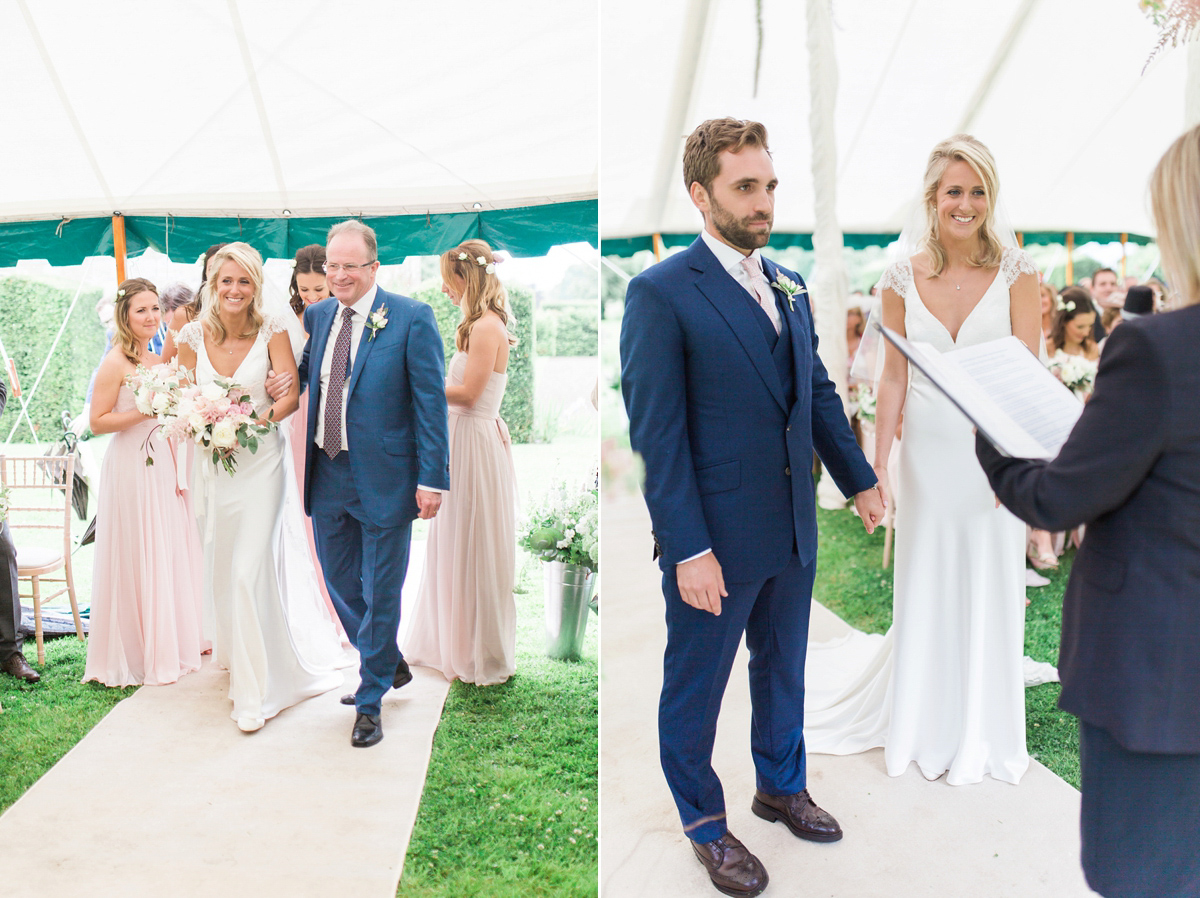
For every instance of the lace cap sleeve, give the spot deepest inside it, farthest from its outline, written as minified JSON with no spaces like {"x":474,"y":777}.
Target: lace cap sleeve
{"x":272,"y":325}
{"x":191,"y":334}
{"x":896,"y":278}
{"x":1014,"y":263}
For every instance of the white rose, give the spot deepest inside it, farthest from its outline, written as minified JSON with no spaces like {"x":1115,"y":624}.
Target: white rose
{"x":224,"y":435}
{"x":143,"y":403}
{"x":196,"y":423}
{"x":161,"y":402}
{"x":212,"y":391}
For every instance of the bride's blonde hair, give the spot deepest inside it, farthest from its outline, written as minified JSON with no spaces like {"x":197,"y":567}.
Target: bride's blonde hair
{"x":481,"y":289}
{"x":247,"y":257}
{"x":962,"y":148}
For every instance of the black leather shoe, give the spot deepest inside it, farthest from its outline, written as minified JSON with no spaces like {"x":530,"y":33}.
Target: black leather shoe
{"x":347,"y":699}
{"x":732,"y":869}
{"x":16,"y":665}
{"x":367,"y":731}
{"x":403,"y":674}
{"x":800,"y":813}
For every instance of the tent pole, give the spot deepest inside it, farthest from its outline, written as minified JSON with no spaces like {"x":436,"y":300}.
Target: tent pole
{"x":1070,"y":258}
{"x":118,"y":226}
{"x":1021,"y":239}
{"x":659,"y":249}
{"x":1124,"y":240}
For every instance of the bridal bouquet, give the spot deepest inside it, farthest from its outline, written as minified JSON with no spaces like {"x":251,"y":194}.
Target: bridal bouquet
{"x":1077,"y":373}
{"x":865,"y":399}
{"x":156,"y":389}
{"x":565,"y":526}
{"x":220,"y":419}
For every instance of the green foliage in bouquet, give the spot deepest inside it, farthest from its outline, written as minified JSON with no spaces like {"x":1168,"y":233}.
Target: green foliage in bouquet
{"x":517,"y":408}
{"x":31,"y":313}
{"x":565,"y":526}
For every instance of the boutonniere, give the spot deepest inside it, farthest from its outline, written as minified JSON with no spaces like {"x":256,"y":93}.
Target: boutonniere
{"x":377,"y":321}
{"x":790,"y":289}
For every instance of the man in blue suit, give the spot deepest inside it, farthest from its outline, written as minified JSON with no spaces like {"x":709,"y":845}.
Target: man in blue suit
{"x":727,"y":400}
{"x":377,"y":453}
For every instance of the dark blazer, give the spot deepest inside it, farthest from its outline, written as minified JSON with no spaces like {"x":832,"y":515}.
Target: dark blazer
{"x":728,"y":461}
{"x":396,"y":416}
{"x":1131,"y":471}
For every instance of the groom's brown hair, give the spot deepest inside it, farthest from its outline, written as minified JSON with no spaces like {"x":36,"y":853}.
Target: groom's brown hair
{"x":704,"y":146}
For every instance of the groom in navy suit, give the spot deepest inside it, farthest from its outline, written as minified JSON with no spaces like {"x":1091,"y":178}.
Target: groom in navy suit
{"x":727,"y":400}
{"x":377,"y":453}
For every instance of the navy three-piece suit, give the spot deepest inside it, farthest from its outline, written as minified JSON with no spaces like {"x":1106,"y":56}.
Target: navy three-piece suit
{"x":726,"y":414}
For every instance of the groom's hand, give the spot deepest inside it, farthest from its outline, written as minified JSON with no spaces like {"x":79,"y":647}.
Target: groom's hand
{"x":701,"y":583}
{"x":428,"y":503}
{"x":278,"y":384}
{"x":870,"y":506}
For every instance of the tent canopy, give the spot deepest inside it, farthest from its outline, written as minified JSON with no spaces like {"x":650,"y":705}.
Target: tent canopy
{"x":1055,"y":88}
{"x":203,"y":120}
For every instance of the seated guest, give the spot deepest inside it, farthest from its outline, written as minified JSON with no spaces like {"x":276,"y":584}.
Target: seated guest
{"x":1139,"y":301}
{"x":12,"y":662}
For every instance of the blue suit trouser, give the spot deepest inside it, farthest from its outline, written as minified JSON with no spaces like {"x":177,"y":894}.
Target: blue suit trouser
{"x":773,"y":613}
{"x":364,"y":567}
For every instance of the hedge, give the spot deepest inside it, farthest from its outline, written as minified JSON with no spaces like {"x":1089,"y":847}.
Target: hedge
{"x":568,"y":331}
{"x":31,"y":313}
{"x":517,"y":408}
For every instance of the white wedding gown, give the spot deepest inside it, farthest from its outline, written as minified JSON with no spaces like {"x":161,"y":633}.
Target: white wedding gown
{"x":945,"y":686}
{"x":263,"y":609}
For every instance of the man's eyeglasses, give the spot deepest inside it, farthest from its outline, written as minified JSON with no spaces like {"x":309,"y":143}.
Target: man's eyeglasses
{"x":350,"y":268}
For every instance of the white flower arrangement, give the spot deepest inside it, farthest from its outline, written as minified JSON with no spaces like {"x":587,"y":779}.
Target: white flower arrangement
{"x":377,"y":321}
{"x":1077,"y":373}
{"x":789,"y":288}
{"x":220,"y":418}
{"x":565,"y":526}
{"x":481,"y":261}
{"x":1068,"y":306}
{"x":865,"y":397}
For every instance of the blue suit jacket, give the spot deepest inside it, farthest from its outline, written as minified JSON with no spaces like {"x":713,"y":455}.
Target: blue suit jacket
{"x":396,"y":418}
{"x":728,"y":463}
{"x":1131,"y":471}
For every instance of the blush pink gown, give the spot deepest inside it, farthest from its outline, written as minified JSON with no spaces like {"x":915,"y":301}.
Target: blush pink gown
{"x":148,"y":578}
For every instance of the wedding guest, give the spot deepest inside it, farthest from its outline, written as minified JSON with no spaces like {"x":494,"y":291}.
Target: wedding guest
{"x":1139,"y":302}
{"x":308,"y":278}
{"x":465,"y":619}
{"x":1105,"y":294}
{"x":168,"y":301}
{"x":146,"y":596}
{"x":1049,"y":295}
{"x":1131,"y":611}
{"x":855,"y":322}
{"x":189,"y":311}
{"x":12,"y":661}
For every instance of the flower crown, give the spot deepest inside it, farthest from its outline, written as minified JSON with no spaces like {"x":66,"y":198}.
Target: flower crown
{"x":1068,"y":306}
{"x":481,"y":261}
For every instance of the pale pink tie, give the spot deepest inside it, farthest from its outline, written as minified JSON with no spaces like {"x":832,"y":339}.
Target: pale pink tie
{"x":761,"y":290}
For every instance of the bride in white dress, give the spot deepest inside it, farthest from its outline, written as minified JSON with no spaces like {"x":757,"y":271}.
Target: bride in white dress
{"x":263,"y":609}
{"x":945,"y":686}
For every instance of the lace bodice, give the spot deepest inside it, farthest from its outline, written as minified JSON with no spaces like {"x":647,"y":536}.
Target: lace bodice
{"x":989,"y":320}
{"x":251,"y":373}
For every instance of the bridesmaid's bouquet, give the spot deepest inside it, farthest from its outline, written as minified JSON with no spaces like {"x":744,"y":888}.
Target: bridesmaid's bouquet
{"x":156,"y":389}
{"x":219,"y":418}
{"x":864,"y":399}
{"x":565,"y":527}
{"x":1077,"y":373}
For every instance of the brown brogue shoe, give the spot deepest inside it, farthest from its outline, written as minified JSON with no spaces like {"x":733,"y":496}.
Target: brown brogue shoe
{"x":732,"y":869}
{"x":16,"y":665}
{"x":800,"y":813}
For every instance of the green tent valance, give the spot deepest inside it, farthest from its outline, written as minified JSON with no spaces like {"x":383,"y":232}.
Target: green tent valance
{"x":522,"y":231}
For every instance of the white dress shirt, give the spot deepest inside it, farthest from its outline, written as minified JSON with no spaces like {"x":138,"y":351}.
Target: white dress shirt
{"x":362,"y":308}
{"x":731,"y":261}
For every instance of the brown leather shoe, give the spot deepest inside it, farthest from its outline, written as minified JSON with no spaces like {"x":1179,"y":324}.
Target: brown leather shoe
{"x":800,"y":813}
{"x":16,"y":665}
{"x":732,"y":869}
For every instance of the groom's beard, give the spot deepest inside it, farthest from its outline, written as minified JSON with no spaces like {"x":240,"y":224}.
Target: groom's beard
{"x":736,"y":231}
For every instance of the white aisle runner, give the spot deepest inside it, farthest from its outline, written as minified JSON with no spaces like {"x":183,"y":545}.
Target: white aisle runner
{"x":166,"y":797}
{"x":904,"y":836}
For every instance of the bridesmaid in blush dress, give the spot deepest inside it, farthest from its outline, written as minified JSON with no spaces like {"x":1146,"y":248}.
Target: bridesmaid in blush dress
{"x":465,"y":619}
{"x":149,"y":570}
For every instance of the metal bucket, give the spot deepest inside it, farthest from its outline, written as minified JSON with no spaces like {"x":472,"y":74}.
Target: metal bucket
{"x":568,"y":592}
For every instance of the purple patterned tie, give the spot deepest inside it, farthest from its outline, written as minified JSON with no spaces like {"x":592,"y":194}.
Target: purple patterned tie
{"x":337,"y":379}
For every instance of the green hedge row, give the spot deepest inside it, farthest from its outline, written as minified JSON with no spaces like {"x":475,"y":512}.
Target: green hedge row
{"x":567,"y":331}
{"x":31,"y":313}
{"x":517,"y":408}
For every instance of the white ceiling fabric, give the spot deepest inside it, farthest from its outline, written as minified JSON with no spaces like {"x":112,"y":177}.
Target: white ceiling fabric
{"x":253,"y":107}
{"x":1054,"y":87}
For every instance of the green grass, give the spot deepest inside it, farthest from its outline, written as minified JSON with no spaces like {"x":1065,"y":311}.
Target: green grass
{"x":851,"y":583}
{"x":510,"y":801}
{"x":43,"y":721}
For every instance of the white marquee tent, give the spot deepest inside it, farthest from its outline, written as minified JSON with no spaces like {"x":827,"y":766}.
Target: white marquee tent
{"x":1054,"y":87}
{"x":200,"y":120}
